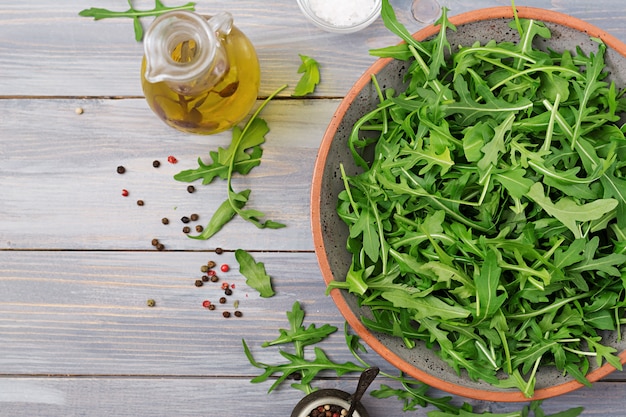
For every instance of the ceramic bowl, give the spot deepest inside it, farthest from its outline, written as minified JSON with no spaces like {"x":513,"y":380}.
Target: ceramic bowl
{"x":330,"y":233}
{"x":350,"y":22}
{"x":324,"y":397}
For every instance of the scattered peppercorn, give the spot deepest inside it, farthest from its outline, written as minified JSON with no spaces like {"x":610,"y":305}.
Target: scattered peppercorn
{"x":140,"y":202}
{"x":225,"y":268}
{"x":121,"y":169}
{"x":226,"y":314}
{"x":211,"y":307}
{"x":211,"y":272}
{"x":236,"y":304}
{"x":79,"y":110}
{"x":156,"y":163}
{"x":191,"y":189}
{"x":228,"y":291}
{"x":211,"y":264}
{"x":151,"y":302}
{"x":171,"y":159}
{"x":222,"y":300}
{"x":219,"y":251}
{"x":206,"y":303}
{"x":186,"y":229}
{"x":224,"y":285}
{"x":238,"y":313}
{"x":199,"y":283}
{"x":199,"y":228}
{"x":214,"y":278}
{"x":205,"y":278}
{"x":165,"y":220}
{"x":155,"y":242}
{"x":204,"y":268}
{"x":160,"y":246}
{"x":125,"y":193}
{"x":184,"y":219}
{"x":194,"y":217}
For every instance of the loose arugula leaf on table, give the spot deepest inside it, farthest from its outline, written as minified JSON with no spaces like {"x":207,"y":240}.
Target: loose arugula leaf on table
{"x":255,"y":274}
{"x":299,"y":363}
{"x":243,"y":154}
{"x":246,"y":156}
{"x":100,"y":13}
{"x":310,"y":71}
{"x":514,"y":151}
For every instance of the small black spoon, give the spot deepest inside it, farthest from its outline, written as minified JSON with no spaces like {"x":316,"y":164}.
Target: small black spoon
{"x":366,"y":378}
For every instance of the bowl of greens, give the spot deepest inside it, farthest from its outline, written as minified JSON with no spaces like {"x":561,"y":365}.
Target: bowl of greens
{"x":469,"y":204}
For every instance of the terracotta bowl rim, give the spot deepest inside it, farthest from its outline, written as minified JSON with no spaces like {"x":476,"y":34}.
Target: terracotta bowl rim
{"x":536,"y":13}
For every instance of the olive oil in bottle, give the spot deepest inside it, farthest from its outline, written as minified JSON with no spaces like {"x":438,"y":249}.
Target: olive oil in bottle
{"x":205,"y":80}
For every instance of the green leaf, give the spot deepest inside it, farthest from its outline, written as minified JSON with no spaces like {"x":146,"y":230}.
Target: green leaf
{"x":428,"y":306}
{"x":568,"y":212}
{"x":488,"y":302}
{"x":99,"y":13}
{"x":224,"y":213}
{"x":310,"y":71}
{"x":208,"y":172}
{"x":255,"y":274}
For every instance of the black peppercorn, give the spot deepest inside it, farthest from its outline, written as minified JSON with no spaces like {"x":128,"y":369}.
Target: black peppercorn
{"x":199,"y":229}
{"x":219,"y":251}
{"x":194,"y":217}
{"x":211,"y":264}
{"x":214,"y":278}
{"x":198,"y":283}
{"x":226,"y":314}
{"x":184,"y":219}
{"x":165,"y":220}
{"x":155,"y":242}
{"x":156,"y":164}
{"x":238,"y":313}
{"x":191,"y":189}
{"x":205,"y":278}
{"x":211,"y":307}
{"x":228,"y":291}
{"x":121,"y":169}
{"x":160,"y":246}
{"x":222,"y":300}
{"x":186,"y":229}
{"x":140,"y":202}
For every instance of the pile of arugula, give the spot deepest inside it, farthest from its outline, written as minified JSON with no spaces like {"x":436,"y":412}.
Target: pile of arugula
{"x":491,"y":222}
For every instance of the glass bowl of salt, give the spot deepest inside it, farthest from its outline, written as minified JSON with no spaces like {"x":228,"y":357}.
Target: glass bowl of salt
{"x":341,"y":16}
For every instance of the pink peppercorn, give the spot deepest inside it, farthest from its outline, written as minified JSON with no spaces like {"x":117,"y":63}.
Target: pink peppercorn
{"x":225,"y":268}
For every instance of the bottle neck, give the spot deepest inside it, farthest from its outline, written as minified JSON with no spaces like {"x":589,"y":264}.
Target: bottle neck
{"x":184,"y":50}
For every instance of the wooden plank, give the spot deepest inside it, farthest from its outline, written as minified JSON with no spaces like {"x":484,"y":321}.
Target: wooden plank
{"x":85,"y":313}
{"x":52,"y":51}
{"x":130,"y":397}
{"x":60,"y":189}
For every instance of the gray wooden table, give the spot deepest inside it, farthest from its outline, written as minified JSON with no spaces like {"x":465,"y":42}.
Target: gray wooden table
{"x":76,"y":262}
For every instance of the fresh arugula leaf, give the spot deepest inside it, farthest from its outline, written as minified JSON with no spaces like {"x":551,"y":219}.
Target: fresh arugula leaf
{"x":243,"y":154}
{"x":224,"y":213}
{"x":310,"y":71}
{"x":255,"y":274}
{"x":99,"y":13}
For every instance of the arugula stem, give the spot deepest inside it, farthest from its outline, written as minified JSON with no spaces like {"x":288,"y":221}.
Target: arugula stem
{"x":231,"y":164}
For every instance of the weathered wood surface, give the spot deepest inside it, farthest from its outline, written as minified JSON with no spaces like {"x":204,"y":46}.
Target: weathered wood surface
{"x":50,"y":50}
{"x":76,"y":263}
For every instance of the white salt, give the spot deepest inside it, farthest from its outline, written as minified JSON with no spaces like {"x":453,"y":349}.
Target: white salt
{"x":343,"y":13}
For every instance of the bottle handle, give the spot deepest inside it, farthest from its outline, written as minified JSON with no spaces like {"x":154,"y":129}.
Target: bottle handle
{"x":221,"y":23}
